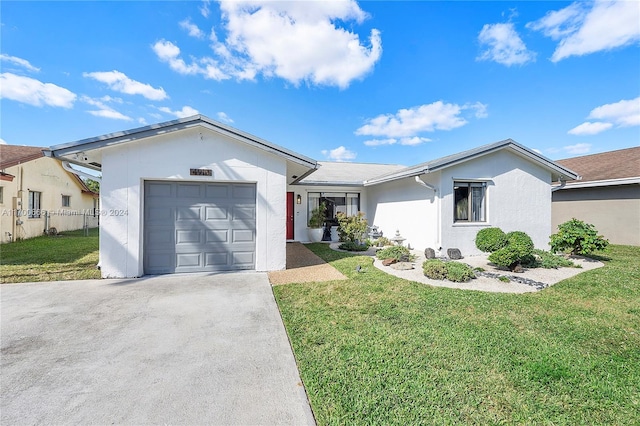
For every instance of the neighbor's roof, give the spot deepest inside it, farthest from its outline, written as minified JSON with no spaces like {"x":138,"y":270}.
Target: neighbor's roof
{"x":12,"y":155}
{"x":111,"y":139}
{"x":608,"y":168}
{"x":558,"y":171}
{"x":347,"y":174}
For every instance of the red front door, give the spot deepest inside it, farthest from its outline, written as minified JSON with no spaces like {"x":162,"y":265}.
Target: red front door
{"x":289,"y":215}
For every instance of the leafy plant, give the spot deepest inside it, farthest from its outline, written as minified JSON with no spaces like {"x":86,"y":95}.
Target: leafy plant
{"x":353,"y":246}
{"x":351,"y":228}
{"x":490,"y":239}
{"x":318,"y":216}
{"x":519,"y":247}
{"x":383,"y":241}
{"x":577,"y":237}
{"x":459,"y":272}
{"x":399,"y":253}
{"x":544,"y":259}
{"x":434,"y":269}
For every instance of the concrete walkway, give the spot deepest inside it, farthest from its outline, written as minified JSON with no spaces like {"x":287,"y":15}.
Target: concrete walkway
{"x":173,"y":349}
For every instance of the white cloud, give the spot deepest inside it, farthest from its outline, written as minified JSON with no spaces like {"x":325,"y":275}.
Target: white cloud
{"x":624,"y":113}
{"x":204,"y":8}
{"x":19,"y":61}
{"x":186,"y":111}
{"x":142,"y":121}
{"x":222,"y":116}
{"x":34,"y":92}
{"x":121,"y":83}
{"x":503,"y":45}
{"x":104,"y":110}
{"x":588,"y":128}
{"x":207,"y":67}
{"x":579,"y":148}
{"x":300,"y":42}
{"x":584,"y":28}
{"x":413,"y":141}
{"x":192,"y":29}
{"x":2,"y":142}
{"x":340,"y":154}
{"x":379,"y":142}
{"x":408,"y":123}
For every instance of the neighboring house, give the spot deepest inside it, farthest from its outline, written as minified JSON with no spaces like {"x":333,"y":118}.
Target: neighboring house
{"x":195,"y":195}
{"x":607,"y":196}
{"x":37,"y":194}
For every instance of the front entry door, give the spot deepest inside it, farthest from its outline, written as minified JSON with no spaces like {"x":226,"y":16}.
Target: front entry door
{"x":289,"y":215}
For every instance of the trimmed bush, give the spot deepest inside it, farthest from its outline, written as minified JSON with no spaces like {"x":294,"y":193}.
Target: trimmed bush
{"x":352,"y":228}
{"x":434,"y":269}
{"x":351,"y":246}
{"x":459,"y":272}
{"x":399,"y":253}
{"x":519,"y":247}
{"x":490,"y":239}
{"x":577,"y":237}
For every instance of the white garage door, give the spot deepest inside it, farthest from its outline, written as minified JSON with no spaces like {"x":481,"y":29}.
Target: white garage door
{"x":199,"y":227}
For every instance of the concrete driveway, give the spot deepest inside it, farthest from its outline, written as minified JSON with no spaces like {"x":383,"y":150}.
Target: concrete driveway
{"x":173,"y":349}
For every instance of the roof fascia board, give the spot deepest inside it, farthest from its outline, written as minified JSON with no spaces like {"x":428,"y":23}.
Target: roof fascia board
{"x":599,"y":183}
{"x":334,"y":183}
{"x":172,"y":126}
{"x":549,"y":164}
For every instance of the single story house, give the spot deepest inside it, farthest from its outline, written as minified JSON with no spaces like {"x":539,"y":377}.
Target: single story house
{"x":37,"y":195}
{"x":195,"y":195}
{"x":607,"y":196}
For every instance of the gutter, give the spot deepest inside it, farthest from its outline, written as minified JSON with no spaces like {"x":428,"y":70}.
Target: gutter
{"x":67,"y":167}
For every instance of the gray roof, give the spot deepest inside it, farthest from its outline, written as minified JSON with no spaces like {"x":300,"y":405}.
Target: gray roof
{"x":174,"y":125}
{"x":557,"y":170}
{"x":347,"y":174}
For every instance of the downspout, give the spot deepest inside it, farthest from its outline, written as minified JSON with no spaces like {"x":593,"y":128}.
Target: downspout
{"x":438,"y":224}
{"x":67,"y":167}
{"x":563,"y":182}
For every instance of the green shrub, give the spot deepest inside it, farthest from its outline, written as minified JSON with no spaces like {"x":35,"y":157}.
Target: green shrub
{"x":318,"y":216}
{"x":434,"y":269}
{"x":490,"y":239}
{"x":399,"y":253}
{"x":519,"y":247}
{"x":544,"y":259}
{"x":577,"y":237}
{"x":352,"y":228}
{"x":352,"y":246}
{"x":383,"y":241}
{"x":459,"y":272}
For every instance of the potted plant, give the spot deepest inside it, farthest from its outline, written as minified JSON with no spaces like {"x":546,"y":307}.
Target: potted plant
{"x":316,"y":223}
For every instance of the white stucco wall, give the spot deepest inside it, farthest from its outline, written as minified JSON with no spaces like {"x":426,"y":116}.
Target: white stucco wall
{"x":408,"y":207}
{"x":126,"y":167}
{"x":518,"y":198}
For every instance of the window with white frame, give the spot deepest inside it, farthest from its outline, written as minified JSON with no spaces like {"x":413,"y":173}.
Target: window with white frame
{"x":469,"y":201}
{"x":336,"y":202}
{"x":66,"y":201}
{"x":34,"y":204}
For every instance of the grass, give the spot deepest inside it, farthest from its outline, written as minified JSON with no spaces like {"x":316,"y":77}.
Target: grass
{"x":68,"y":256}
{"x":376,"y":349}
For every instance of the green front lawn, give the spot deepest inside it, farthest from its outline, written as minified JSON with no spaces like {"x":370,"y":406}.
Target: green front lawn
{"x":376,"y":349}
{"x":68,"y":256}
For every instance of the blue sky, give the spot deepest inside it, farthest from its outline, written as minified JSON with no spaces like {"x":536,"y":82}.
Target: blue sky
{"x":372,"y":81}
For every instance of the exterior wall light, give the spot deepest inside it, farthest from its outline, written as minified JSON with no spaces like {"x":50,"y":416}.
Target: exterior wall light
{"x":299,"y":199}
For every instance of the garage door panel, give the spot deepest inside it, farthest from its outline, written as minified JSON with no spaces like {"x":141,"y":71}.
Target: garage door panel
{"x":188,"y":260}
{"x":244,"y":192}
{"x":199,"y":227}
{"x":184,"y":236}
{"x":244,"y":213}
{"x":189,"y":190}
{"x":220,"y":192}
{"x":242,"y":236}
{"x":217,"y":236}
{"x":217,"y":259}
{"x":216,"y":213}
